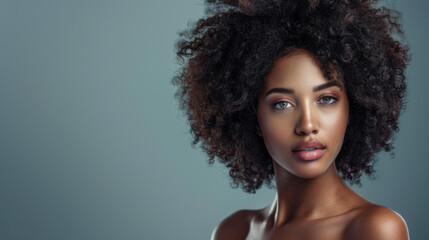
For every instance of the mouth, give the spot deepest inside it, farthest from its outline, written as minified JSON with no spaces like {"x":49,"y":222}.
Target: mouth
{"x":309,"y":150}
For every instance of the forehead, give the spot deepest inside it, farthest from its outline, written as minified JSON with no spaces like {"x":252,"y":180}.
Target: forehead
{"x":297,"y":69}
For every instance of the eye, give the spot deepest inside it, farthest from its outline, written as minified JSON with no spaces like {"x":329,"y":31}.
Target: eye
{"x":327,"y":100}
{"x":282,"y":105}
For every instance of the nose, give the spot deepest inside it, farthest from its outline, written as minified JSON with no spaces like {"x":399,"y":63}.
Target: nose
{"x":307,"y":122}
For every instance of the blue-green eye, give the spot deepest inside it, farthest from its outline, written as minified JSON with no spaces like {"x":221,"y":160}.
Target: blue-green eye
{"x":282,"y":105}
{"x":327,"y":100}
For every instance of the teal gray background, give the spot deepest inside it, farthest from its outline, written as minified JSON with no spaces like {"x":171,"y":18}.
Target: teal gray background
{"x":92,"y":145}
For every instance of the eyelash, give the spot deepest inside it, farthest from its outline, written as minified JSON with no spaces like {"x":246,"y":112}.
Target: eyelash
{"x":277,"y":103}
{"x":332,"y":100}
{"x":330,"y":97}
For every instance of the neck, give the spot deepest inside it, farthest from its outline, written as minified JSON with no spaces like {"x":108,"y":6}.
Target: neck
{"x":299,"y":198}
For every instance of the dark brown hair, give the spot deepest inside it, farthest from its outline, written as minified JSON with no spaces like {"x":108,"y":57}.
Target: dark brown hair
{"x":226,"y":56}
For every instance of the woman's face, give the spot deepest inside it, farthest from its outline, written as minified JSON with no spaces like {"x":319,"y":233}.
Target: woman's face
{"x":302,"y":116}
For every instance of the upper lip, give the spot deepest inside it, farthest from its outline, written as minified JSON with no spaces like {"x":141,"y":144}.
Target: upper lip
{"x":308,"y":144}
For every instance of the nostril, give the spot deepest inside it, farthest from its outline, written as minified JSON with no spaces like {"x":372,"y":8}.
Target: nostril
{"x":307,"y":120}
{"x":306,"y":129}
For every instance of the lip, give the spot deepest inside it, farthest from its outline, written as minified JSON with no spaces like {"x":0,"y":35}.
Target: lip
{"x":319,"y":150}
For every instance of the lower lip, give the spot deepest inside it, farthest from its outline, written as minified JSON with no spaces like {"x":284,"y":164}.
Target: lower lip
{"x":310,"y":155}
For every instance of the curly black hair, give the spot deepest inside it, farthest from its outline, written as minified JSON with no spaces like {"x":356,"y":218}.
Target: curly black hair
{"x":226,"y":56}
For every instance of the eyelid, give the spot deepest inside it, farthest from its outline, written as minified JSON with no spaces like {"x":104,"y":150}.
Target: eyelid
{"x":330,"y":96}
{"x":273,"y":105}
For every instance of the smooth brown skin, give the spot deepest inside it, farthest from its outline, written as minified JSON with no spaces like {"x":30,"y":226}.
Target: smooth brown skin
{"x":312,"y":201}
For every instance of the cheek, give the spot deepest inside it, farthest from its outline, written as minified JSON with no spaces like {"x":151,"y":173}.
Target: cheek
{"x":336,"y":124}
{"x":277,"y":133}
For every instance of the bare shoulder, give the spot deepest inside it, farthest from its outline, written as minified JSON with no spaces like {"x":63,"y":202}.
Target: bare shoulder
{"x":236,"y":226}
{"x":377,"y":222}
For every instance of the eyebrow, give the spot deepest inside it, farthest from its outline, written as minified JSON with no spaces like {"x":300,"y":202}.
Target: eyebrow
{"x":315,"y":89}
{"x":327,"y":85}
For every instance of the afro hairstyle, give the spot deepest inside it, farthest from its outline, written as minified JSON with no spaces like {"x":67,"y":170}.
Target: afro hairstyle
{"x":225,"y":57}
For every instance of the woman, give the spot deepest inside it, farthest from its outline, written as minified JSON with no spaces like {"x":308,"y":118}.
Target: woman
{"x":300,"y":95}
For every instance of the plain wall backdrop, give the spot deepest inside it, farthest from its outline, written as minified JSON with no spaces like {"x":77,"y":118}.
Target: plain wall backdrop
{"x":93,"y":146}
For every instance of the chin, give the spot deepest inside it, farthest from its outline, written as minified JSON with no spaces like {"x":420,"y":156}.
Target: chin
{"x":309,"y":170}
